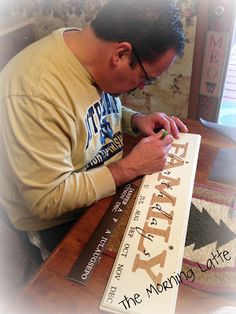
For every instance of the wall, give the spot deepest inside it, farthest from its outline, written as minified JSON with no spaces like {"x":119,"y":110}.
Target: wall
{"x":171,"y":92}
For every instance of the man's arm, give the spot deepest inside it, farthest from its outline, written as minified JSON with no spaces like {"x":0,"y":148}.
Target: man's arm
{"x":37,"y":146}
{"x":148,"y":156}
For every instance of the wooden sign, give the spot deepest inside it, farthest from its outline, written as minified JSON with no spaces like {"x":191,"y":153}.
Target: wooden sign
{"x":147,"y":269}
{"x":213,"y":65}
{"x":89,"y":258}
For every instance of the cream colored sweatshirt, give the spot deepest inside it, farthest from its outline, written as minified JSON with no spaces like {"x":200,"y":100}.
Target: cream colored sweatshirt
{"x":57,"y":134}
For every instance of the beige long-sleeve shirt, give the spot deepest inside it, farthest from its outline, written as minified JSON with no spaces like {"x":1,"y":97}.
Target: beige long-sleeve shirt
{"x":57,"y":133}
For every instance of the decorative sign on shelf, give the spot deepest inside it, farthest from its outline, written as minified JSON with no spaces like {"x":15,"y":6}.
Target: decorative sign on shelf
{"x":213,"y":65}
{"x":147,"y":269}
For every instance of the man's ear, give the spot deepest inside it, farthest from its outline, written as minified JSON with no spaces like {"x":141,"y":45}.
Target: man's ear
{"x":122,"y":52}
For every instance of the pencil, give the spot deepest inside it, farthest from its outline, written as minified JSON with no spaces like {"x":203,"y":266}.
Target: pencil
{"x":164,"y":134}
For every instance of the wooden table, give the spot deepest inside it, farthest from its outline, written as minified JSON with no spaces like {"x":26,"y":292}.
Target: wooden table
{"x":50,"y":292}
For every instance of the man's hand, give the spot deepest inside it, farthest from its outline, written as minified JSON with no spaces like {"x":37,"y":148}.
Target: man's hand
{"x":148,"y":156}
{"x":148,"y":124}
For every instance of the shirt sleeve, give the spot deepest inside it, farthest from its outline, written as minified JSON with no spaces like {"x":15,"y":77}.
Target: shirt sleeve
{"x":39,"y":141}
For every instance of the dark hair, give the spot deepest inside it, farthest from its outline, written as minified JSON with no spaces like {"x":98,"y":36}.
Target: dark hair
{"x":150,"y":26}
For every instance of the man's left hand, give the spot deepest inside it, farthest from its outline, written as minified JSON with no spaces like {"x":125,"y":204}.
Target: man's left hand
{"x":149,"y":124}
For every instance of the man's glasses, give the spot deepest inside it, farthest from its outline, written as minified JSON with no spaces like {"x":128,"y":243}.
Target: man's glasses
{"x":149,"y":81}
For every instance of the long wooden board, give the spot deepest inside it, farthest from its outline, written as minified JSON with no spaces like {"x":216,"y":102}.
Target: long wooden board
{"x":86,"y":262}
{"x":147,"y":270}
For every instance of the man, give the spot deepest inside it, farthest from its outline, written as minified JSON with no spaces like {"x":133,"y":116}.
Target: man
{"x":61,"y":124}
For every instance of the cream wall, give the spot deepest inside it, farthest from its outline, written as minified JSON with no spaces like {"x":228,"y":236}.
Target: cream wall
{"x":170,"y":94}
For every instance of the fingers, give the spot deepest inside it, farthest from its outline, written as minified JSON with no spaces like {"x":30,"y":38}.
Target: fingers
{"x":150,"y":154}
{"x":151,"y":124}
{"x":173,"y":125}
{"x":181,"y":126}
{"x":163,"y":121}
{"x":164,"y":136}
{"x":168,"y":124}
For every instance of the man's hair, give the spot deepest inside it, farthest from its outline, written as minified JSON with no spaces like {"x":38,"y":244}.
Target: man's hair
{"x":150,"y":26}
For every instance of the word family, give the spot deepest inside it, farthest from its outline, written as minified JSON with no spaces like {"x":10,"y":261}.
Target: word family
{"x":159,"y":218}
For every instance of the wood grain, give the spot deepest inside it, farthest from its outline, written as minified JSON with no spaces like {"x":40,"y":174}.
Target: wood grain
{"x":50,"y":292}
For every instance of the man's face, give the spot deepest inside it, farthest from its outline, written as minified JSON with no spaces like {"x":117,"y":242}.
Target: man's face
{"x":129,"y":78}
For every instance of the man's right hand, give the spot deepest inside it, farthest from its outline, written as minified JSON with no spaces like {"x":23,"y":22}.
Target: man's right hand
{"x":148,"y":156}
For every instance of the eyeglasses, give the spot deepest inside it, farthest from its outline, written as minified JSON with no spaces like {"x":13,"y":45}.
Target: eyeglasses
{"x":149,"y":81}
